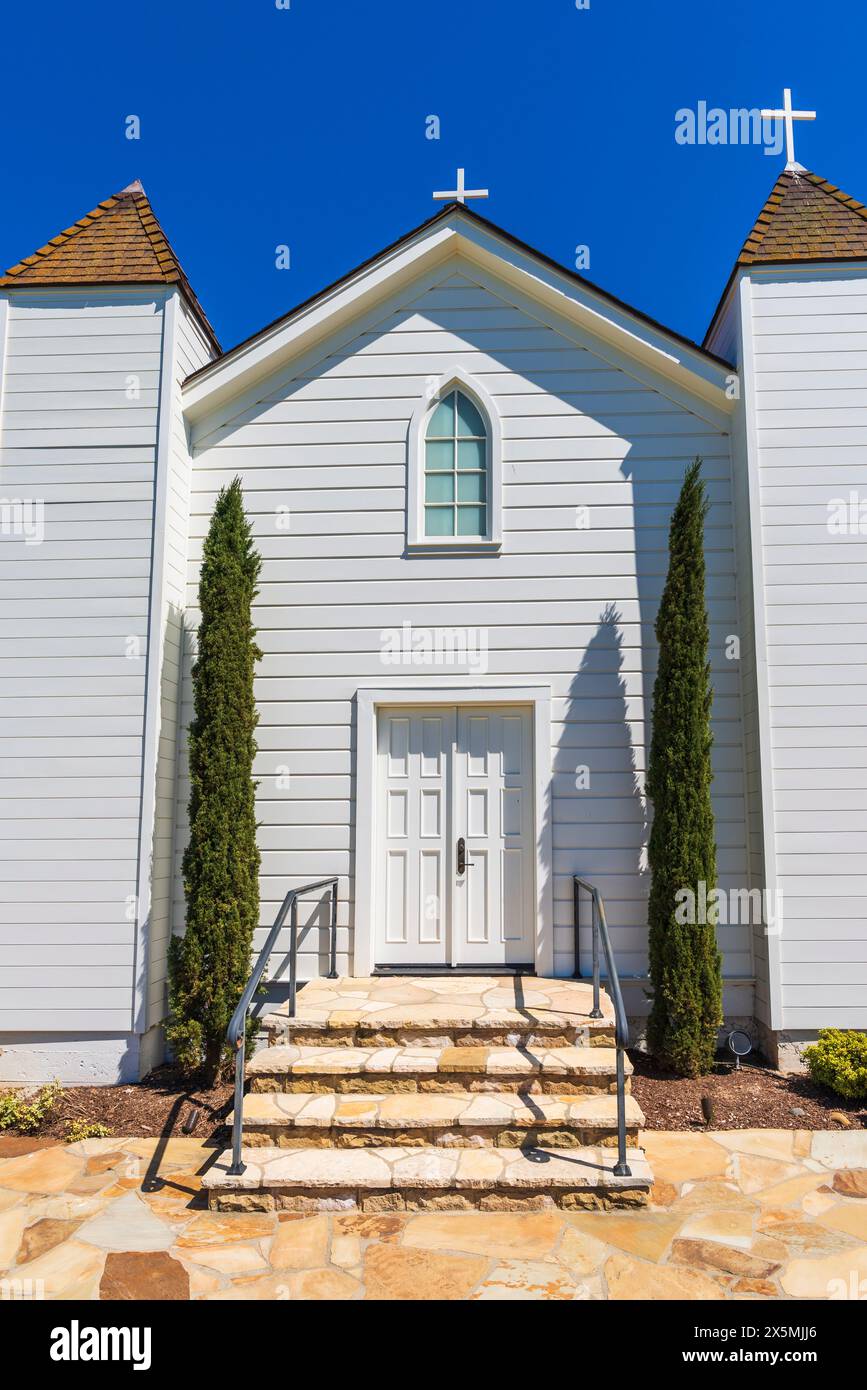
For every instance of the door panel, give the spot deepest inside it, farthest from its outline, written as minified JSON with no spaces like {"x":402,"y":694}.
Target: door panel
{"x":494,"y":916}
{"x":413,"y":849}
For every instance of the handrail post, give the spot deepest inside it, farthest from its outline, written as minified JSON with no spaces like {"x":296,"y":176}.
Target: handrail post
{"x":236,"y":1034}
{"x":621,"y":1168}
{"x":332,"y":974}
{"x":621,"y":1022}
{"x":293,"y":957}
{"x":238,"y":1167}
{"x":576,"y":919}
{"x":596,"y":1011}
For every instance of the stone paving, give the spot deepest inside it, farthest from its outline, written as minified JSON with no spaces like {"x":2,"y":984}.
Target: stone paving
{"x":469,"y":1112}
{"x":761,"y":1214}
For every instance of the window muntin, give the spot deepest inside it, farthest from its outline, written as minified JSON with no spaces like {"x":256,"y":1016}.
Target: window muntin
{"x":456,"y":470}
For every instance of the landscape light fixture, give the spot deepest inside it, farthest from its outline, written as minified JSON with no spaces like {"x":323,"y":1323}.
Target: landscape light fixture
{"x":740,"y":1045}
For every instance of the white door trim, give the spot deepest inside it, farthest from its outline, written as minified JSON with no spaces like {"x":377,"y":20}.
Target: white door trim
{"x":369,"y":700}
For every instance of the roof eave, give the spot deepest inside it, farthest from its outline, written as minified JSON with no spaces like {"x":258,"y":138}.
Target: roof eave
{"x":451,"y":229}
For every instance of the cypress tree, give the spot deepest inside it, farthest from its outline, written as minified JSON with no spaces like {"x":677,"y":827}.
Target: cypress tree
{"x":210,"y":964}
{"x":685,"y":964}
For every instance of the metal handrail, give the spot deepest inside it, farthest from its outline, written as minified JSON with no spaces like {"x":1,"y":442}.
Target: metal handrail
{"x":236,"y":1033}
{"x":621,"y":1025}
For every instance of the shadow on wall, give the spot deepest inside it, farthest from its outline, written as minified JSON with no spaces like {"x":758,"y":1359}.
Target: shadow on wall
{"x":600,"y":822}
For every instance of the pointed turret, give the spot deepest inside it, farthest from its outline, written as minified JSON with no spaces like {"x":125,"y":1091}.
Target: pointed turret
{"x":807,"y":219}
{"x":119,"y":242}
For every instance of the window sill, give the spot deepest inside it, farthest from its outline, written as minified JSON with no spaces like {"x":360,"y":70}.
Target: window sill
{"x":459,"y":545}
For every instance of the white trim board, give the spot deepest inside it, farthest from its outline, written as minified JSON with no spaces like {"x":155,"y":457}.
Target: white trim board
{"x":369,"y":701}
{"x":763,"y":708}
{"x":153,"y":669}
{"x":4,"y":320}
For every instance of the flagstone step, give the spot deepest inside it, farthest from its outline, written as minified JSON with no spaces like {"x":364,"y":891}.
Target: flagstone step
{"x":552,"y":1071}
{"x":508,"y":1120}
{"x":440,"y":1012}
{"x":431,"y":1178}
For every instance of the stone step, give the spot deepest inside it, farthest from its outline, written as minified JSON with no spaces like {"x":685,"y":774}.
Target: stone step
{"x":435,"y":1012}
{"x":377,"y":1071}
{"x":506,"y":1120}
{"x":430,"y":1178}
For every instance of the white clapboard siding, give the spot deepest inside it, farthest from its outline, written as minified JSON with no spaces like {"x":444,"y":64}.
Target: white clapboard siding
{"x":809,"y":343}
{"x":561,"y":604}
{"x":74,"y":436}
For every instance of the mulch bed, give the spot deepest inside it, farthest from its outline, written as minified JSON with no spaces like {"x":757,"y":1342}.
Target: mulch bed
{"x":754,"y":1097}
{"x":163,"y":1103}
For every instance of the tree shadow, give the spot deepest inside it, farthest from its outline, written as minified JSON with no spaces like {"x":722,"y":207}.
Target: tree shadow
{"x":600,"y":821}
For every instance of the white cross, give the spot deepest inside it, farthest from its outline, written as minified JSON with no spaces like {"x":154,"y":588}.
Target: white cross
{"x":789,"y":116}
{"x":460,"y":194}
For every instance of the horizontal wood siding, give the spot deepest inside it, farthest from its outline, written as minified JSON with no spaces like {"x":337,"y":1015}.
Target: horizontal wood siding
{"x":73,"y":643}
{"x":572,"y":606}
{"x":810,"y":344}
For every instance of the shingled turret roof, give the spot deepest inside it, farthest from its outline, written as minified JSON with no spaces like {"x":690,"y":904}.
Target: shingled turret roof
{"x":807,"y":219}
{"x":119,"y":242}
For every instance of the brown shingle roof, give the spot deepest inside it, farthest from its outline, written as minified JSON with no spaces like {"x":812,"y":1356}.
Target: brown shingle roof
{"x":120,"y":242}
{"x":807,"y":219}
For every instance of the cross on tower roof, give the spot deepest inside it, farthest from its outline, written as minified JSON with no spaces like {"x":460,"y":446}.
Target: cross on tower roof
{"x":460,"y":194}
{"x":789,"y":116}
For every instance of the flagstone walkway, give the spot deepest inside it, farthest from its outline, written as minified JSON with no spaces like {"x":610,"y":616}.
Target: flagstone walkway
{"x":734,"y":1215}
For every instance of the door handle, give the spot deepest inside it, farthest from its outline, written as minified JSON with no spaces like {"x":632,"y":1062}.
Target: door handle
{"x":463,"y":862}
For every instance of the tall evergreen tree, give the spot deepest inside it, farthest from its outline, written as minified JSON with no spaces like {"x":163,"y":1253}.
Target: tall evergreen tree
{"x":685,"y":965}
{"x":210,"y":964}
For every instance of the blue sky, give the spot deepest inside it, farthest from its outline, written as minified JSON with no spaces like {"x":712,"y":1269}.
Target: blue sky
{"x":306,"y":126}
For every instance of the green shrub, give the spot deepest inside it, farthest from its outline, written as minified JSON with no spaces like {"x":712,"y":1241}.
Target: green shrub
{"x":839,"y":1061}
{"x":684,"y":960}
{"x":210,"y":964}
{"x":17,"y":1112}
{"x":85,"y":1129}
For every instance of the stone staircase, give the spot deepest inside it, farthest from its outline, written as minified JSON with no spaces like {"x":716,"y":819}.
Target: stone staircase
{"x":420,"y":1093}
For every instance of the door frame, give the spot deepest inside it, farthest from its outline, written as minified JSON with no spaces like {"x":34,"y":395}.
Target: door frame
{"x":369,"y":700}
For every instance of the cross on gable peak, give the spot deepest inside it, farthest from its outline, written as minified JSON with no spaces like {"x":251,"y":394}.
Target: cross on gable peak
{"x":461,"y":193}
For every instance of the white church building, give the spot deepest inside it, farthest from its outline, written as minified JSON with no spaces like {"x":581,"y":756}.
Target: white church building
{"x":460,"y":463}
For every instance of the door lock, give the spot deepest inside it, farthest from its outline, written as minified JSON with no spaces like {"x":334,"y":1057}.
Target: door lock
{"x":463,"y":861}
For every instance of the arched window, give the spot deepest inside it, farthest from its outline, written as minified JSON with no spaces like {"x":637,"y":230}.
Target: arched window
{"x":456,"y":470}
{"x":454,"y":485}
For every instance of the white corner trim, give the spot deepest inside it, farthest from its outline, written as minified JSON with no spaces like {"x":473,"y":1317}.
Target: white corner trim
{"x":763,"y":704}
{"x":369,"y":699}
{"x":4,"y":320}
{"x":415,"y":461}
{"x":153,"y":669}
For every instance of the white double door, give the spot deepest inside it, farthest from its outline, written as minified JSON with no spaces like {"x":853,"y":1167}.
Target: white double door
{"x":454,"y":882}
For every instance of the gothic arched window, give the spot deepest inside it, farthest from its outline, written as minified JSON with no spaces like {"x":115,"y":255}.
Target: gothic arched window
{"x":456,"y":469}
